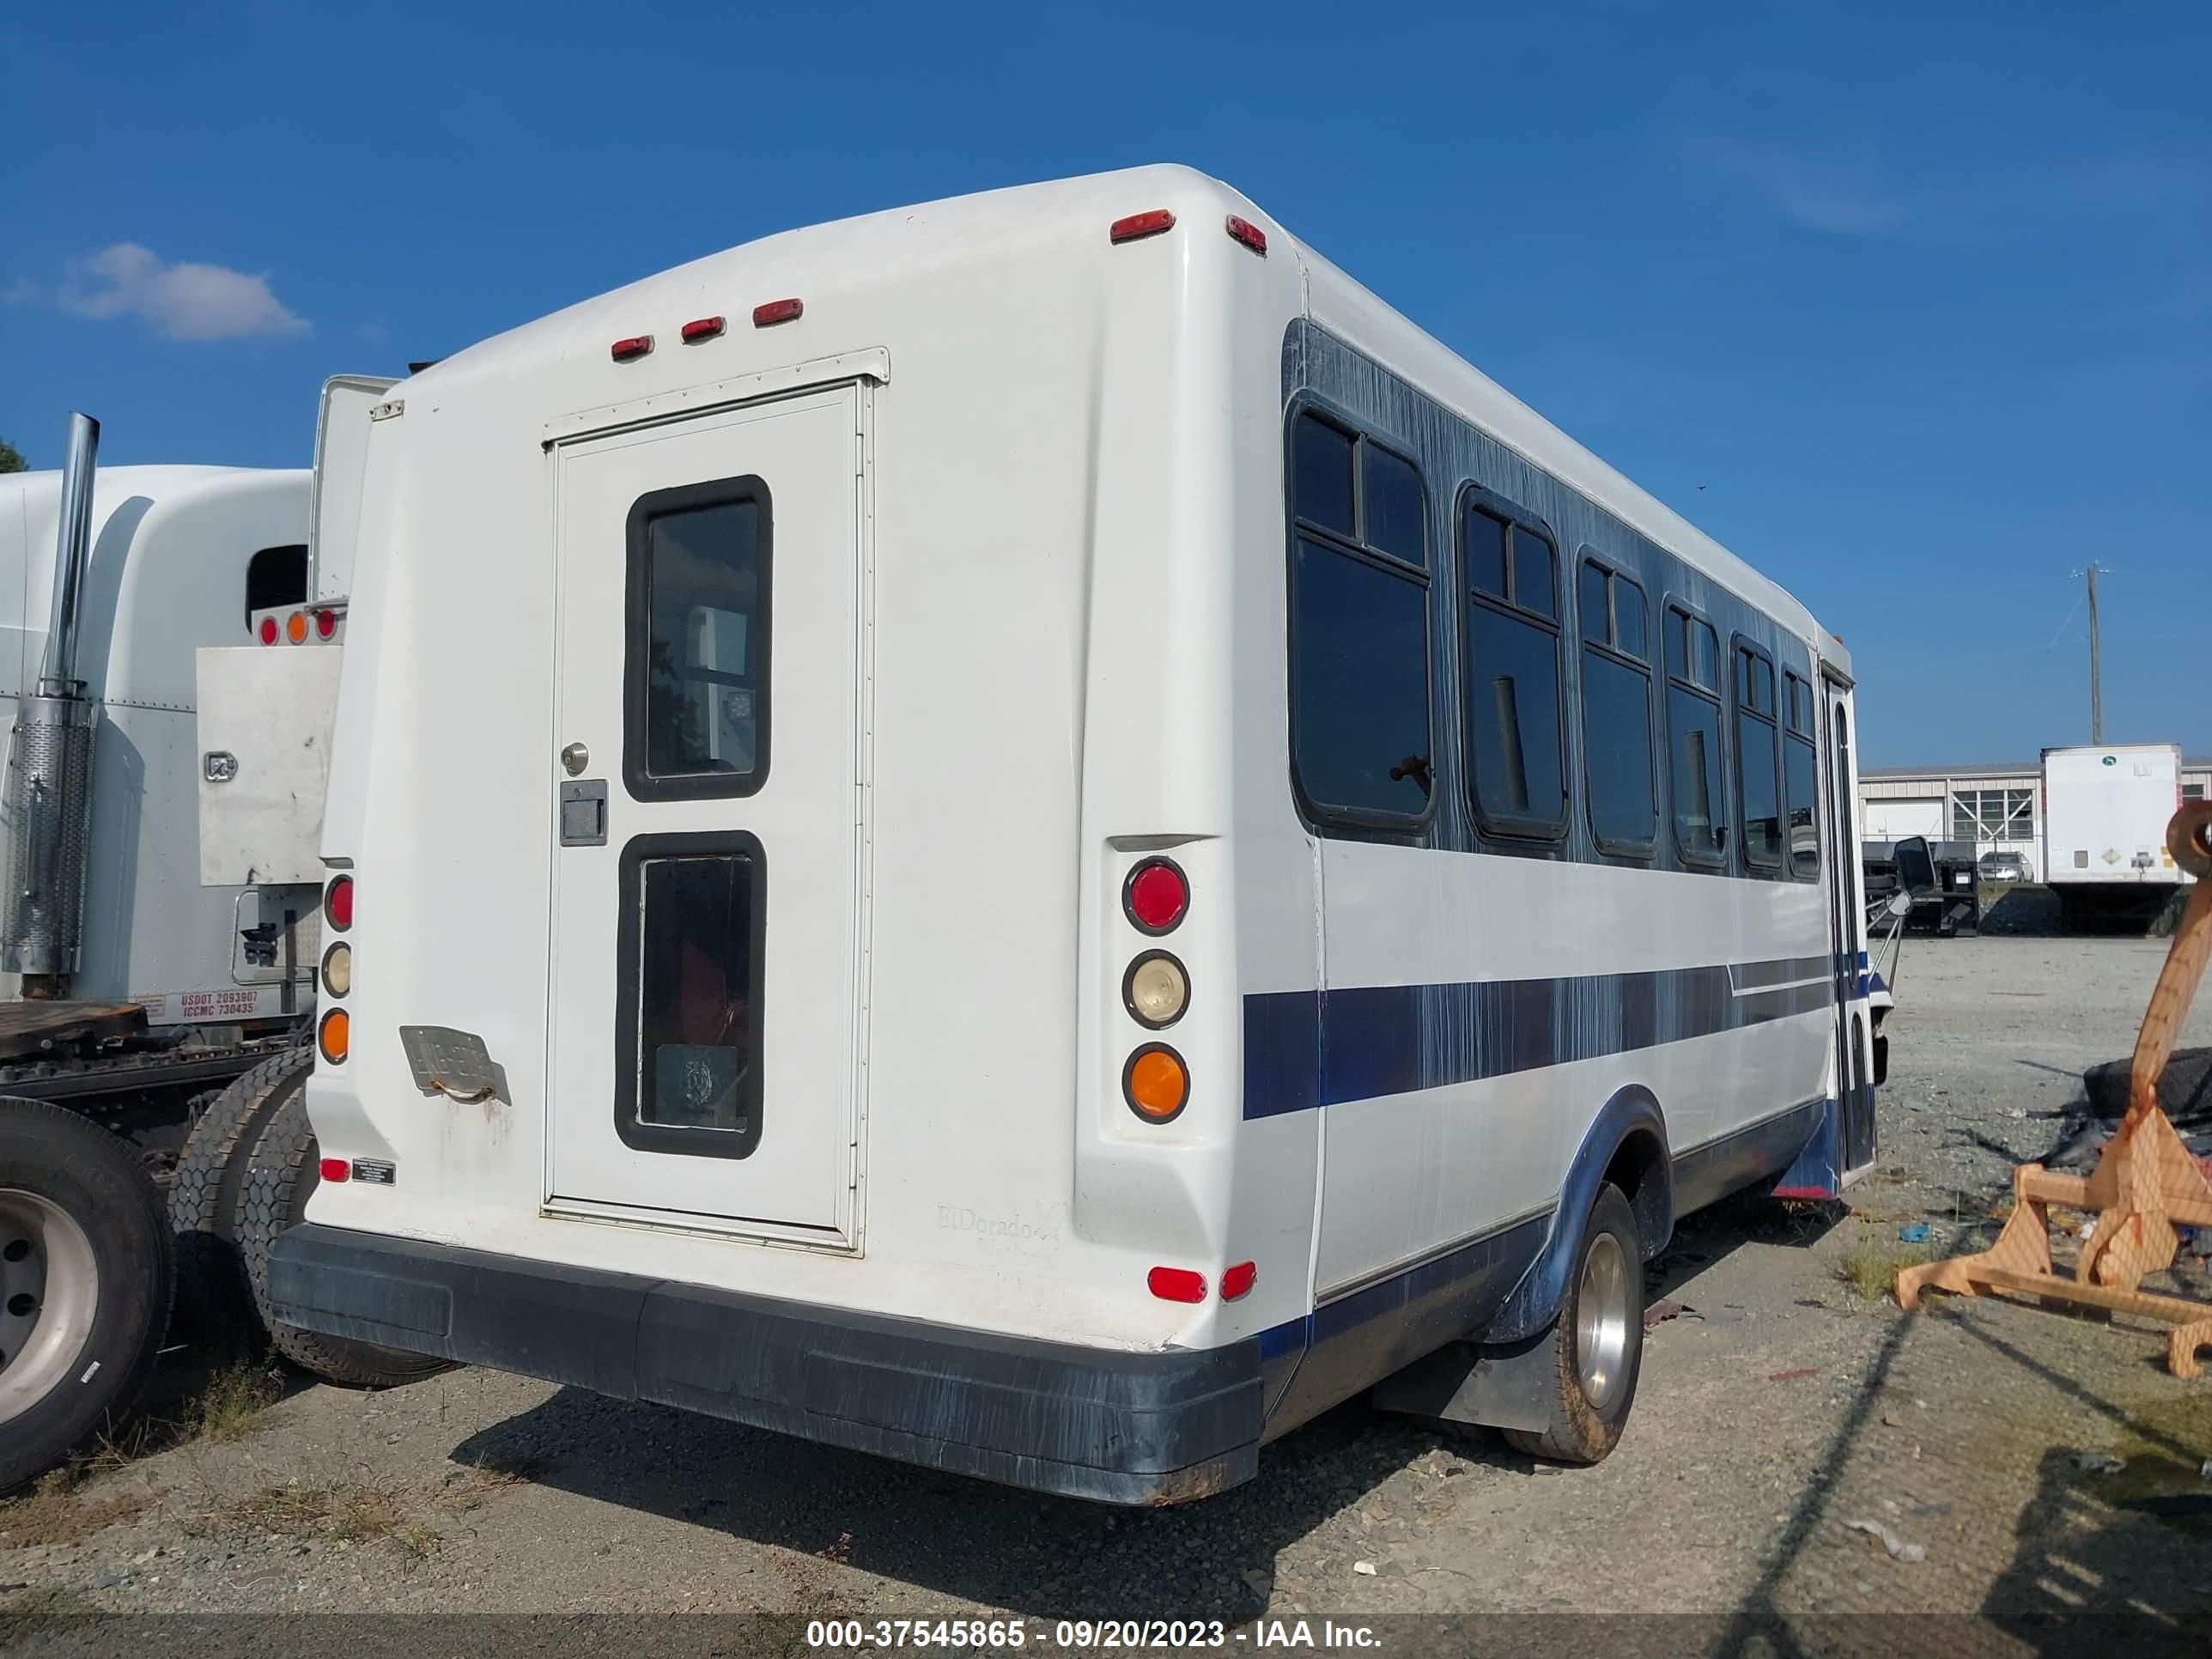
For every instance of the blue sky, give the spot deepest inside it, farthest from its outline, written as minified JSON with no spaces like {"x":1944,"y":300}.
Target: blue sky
{"x":1911,"y":305}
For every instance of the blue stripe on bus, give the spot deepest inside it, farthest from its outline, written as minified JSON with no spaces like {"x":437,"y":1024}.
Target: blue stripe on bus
{"x":1303,"y":1049}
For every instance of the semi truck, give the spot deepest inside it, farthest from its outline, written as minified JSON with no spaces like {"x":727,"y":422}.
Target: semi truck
{"x":2105,"y":808}
{"x":169,"y":641}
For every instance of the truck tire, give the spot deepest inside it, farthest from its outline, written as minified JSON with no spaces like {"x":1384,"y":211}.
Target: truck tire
{"x":87,"y":1270}
{"x":282,"y":1173}
{"x":1598,"y":1341}
{"x":213,"y":1300}
{"x":2184,"y":1087}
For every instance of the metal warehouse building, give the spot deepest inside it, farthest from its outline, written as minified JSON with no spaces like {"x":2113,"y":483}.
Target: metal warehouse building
{"x":1994,"y":807}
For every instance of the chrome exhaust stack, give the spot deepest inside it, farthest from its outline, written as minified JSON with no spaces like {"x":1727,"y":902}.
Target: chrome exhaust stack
{"x":47,"y":799}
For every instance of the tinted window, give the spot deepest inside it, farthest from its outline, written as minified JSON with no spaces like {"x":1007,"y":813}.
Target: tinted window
{"x":1482,"y":543}
{"x":1693,"y":651}
{"x":1321,"y":469}
{"x":1693,"y":726}
{"x":706,"y":640}
{"x":1359,"y":683}
{"x":1762,"y":818}
{"x":1707,"y":648}
{"x":1513,"y":717}
{"x":1395,"y":521}
{"x":1514,"y":740}
{"x":275,"y":576}
{"x":1628,"y":618}
{"x":1798,"y":800}
{"x":1617,"y":743}
{"x":688,"y":1038}
{"x":1590,"y":605}
{"x":1532,"y":573}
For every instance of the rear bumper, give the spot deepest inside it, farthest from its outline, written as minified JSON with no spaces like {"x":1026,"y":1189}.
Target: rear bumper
{"x":1114,"y":1427}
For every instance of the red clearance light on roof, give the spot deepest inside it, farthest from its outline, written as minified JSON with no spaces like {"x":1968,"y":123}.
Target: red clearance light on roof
{"x":1177,"y":1284}
{"x":337,"y":1168}
{"x":777,"y":311}
{"x":636,"y":346}
{"x":1138,"y":226}
{"x":1251,"y":235}
{"x":1238,"y":1280}
{"x":703,"y":328}
{"x":326,"y":623}
{"x":269,"y":631}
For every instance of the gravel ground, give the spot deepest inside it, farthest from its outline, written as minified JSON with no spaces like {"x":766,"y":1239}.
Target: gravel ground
{"x":1782,"y":1405}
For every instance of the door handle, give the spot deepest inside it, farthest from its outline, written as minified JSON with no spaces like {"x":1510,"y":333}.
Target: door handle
{"x":584,"y":813}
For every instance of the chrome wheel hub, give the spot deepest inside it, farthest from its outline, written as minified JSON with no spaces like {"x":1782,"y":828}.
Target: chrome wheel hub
{"x":1601,"y":1315}
{"x":49,"y":1293}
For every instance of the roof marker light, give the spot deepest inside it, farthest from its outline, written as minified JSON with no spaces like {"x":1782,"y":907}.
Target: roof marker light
{"x":1138,"y":226}
{"x":1177,"y":1284}
{"x":636,"y":346}
{"x":777,"y":311}
{"x":703,"y":328}
{"x":1238,"y":1280}
{"x":1244,"y":231}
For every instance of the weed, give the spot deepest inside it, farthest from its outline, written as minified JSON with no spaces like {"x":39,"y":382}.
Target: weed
{"x":350,"y":1512}
{"x":1870,"y":1266}
{"x":52,"y":1513}
{"x":229,"y":1402}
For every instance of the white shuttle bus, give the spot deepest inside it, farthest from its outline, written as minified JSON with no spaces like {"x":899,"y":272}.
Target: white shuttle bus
{"x":1031,"y":834}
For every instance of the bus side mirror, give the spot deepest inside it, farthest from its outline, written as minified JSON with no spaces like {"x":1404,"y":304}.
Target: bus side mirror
{"x":1916,"y":865}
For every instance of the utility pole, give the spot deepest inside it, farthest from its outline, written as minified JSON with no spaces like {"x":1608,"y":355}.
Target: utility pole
{"x":2096,"y":667}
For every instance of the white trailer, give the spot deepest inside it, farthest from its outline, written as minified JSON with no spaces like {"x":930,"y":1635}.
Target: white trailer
{"x":2105,"y":814}
{"x":1244,"y":858}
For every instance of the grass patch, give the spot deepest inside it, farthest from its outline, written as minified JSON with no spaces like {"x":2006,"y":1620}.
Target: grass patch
{"x":51,"y":1512}
{"x":1871,"y":1265}
{"x":346,"y":1512}
{"x":229,"y":1402}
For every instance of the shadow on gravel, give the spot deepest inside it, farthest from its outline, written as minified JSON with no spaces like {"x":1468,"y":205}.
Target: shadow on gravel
{"x":950,"y":1534}
{"x":1716,"y":1233}
{"x":1002,"y":1547}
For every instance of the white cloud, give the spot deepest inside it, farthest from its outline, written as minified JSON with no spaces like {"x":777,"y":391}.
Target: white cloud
{"x":185,"y":300}
{"x":21,"y":292}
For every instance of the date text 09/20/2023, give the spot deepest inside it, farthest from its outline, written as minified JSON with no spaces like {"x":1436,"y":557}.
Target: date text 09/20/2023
{"x":999,"y":1635}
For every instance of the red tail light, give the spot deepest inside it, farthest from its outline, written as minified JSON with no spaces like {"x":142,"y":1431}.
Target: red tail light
{"x":1139,"y":225}
{"x":1238,"y":1280}
{"x":268,"y":630}
{"x":1156,"y":896}
{"x":337,"y":1168}
{"x":1177,"y":1284}
{"x":338,"y":904}
{"x":326,"y":623}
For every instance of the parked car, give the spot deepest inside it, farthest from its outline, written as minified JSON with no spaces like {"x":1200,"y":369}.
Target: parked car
{"x":2005,"y":866}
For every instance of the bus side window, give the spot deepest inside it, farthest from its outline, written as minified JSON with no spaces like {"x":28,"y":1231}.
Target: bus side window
{"x":1515,"y":754}
{"x":1797,"y":789}
{"x":1359,"y":629}
{"x":1757,"y":764}
{"x":1693,"y":728}
{"x":1616,"y":712}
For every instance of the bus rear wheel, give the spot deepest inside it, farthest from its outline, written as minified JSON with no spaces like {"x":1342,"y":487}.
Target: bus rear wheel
{"x":1598,"y":1342}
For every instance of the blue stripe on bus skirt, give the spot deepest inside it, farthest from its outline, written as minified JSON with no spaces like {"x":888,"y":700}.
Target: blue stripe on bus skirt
{"x":1303,"y":1049}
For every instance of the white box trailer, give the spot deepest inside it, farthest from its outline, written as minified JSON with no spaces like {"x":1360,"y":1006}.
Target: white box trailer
{"x":1244,"y":856}
{"x":2105,"y":809}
